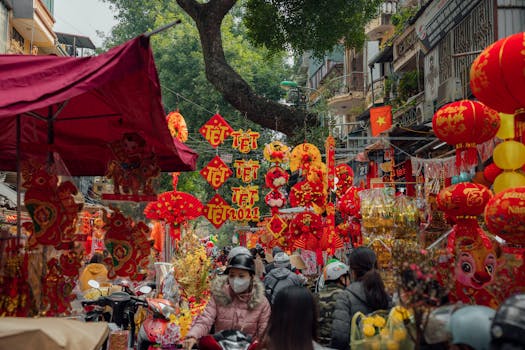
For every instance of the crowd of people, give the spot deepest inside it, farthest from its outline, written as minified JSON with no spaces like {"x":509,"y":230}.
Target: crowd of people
{"x":272,"y":303}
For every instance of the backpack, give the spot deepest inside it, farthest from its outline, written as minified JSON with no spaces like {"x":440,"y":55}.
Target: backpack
{"x":268,"y":292}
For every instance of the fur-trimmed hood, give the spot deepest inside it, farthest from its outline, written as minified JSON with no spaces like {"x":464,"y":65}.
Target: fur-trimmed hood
{"x":223,"y":294}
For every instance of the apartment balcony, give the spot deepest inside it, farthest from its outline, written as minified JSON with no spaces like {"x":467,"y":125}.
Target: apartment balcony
{"x":33,"y":21}
{"x":377,"y":94}
{"x":407,"y":51}
{"x":382,"y":24}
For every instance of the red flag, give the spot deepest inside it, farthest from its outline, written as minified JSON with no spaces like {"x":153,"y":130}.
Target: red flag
{"x":380,"y":119}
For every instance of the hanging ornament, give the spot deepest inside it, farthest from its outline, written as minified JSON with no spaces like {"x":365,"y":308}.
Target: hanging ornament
{"x":306,"y":223}
{"x":350,"y":203}
{"x":276,"y":152}
{"x":344,"y":175}
{"x":177,"y":126}
{"x":308,"y":194}
{"x":491,"y":171}
{"x":216,"y":172}
{"x":303,"y":156}
{"x":494,"y":79}
{"x":216,"y":130}
{"x":217,"y":211}
{"x":276,"y":177}
{"x":507,"y":180}
{"x":505,"y":215}
{"x":463,"y":200}
{"x":464,"y":124}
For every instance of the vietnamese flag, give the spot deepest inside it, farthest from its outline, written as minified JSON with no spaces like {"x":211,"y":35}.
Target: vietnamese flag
{"x":380,"y":119}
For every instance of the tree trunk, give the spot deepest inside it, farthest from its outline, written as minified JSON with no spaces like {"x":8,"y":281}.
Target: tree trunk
{"x":269,"y":114}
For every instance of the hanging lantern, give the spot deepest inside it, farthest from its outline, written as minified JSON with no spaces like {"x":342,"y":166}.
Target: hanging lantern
{"x":505,"y":215}
{"x":303,"y":156}
{"x":464,"y":200}
{"x":464,"y":124}
{"x":507,"y":180}
{"x":491,"y":171}
{"x":495,"y":75}
{"x":177,"y":126}
{"x":509,"y":155}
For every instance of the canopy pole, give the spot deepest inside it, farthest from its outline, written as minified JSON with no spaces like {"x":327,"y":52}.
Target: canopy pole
{"x":163,"y":28}
{"x":18,"y":183}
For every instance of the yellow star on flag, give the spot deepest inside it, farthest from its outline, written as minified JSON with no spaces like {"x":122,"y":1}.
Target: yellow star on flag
{"x":381,"y":121}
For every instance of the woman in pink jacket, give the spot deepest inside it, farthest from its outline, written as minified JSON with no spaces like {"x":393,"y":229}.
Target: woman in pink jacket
{"x":238,"y":303}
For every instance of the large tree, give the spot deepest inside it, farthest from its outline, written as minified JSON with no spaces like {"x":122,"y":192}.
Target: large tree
{"x":316,"y":25}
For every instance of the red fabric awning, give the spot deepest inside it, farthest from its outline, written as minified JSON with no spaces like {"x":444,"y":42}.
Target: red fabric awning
{"x":104,"y":97}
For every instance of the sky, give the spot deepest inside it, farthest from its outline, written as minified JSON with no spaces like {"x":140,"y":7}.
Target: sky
{"x":83,"y":17}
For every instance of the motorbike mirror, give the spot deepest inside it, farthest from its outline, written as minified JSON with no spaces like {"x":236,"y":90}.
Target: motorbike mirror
{"x":145,"y":289}
{"x":93,"y":284}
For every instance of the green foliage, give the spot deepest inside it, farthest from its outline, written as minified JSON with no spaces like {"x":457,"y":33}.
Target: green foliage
{"x":180,"y":65}
{"x":408,"y":85}
{"x":303,"y":25}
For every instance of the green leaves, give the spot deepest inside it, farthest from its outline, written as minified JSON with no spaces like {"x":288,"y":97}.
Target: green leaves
{"x":308,"y":25}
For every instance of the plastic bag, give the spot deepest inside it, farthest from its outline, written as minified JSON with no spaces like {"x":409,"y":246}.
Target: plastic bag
{"x":381,"y":330}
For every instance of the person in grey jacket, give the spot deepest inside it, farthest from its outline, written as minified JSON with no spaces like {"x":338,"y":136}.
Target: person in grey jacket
{"x":366,"y":294}
{"x":281,"y":276}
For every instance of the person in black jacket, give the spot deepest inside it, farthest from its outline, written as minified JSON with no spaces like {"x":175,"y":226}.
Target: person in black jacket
{"x":365,"y":294}
{"x":269,"y":267}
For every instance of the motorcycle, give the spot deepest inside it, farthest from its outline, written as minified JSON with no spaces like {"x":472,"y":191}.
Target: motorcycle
{"x":124,"y":304}
{"x":228,"y":340}
{"x":157,"y":331}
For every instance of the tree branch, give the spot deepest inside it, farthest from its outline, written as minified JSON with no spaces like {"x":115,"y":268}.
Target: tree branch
{"x":228,"y":82}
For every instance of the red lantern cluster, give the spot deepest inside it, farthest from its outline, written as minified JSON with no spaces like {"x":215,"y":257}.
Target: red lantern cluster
{"x":465,"y":124}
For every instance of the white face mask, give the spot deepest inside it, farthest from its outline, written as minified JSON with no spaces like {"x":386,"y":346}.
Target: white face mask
{"x":239,"y":285}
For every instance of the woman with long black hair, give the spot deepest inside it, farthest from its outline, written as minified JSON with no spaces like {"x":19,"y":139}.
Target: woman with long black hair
{"x":365,"y":294}
{"x":293,"y":323}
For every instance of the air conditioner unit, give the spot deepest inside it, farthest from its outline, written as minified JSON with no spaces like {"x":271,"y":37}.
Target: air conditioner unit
{"x":448,"y":91}
{"x":425,"y":112}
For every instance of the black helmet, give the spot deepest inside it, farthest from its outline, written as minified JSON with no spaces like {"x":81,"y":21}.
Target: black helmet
{"x":509,"y":322}
{"x":241,"y":261}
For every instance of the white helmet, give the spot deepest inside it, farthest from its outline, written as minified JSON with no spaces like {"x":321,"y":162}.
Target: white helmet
{"x":237,"y":251}
{"x":334,"y":270}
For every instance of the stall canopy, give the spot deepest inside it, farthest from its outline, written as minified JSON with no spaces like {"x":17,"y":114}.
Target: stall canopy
{"x":77,"y":106}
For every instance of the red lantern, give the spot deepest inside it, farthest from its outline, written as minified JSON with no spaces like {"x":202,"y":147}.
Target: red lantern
{"x":491,"y":172}
{"x":496,"y":78}
{"x":495,"y":75}
{"x":464,"y":200}
{"x":464,"y":124}
{"x":505,"y":215}
{"x":350,"y":203}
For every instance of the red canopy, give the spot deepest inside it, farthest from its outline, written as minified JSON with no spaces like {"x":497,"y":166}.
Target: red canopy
{"x":77,"y":106}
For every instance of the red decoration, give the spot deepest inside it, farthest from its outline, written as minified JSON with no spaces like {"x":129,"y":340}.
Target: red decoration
{"x":128,"y":244}
{"x":174,"y":207}
{"x":246,"y":170}
{"x":350,"y":203}
{"x":217,"y":210}
{"x":275,"y":199}
{"x":276,"y":152}
{"x":308,"y":194}
{"x":216,"y":130}
{"x":277,"y":225}
{"x":177,"y":126}
{"x":245,"y":141}
{"x":463,"y":200}
{"x":216,"y":172}
{"x":464,"y":124}
{"x":306,"y":223}
{"x":134,"y":167}
{"x":345,"y":178}
{"x":496,"y":77}
{"x":505,"y":215}
{"x":491,"y":172}
{"x":276,"y":177}
{"x":52,"y":208}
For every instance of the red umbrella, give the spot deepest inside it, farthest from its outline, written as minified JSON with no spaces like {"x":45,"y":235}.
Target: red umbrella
{"x":77,"y":106}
